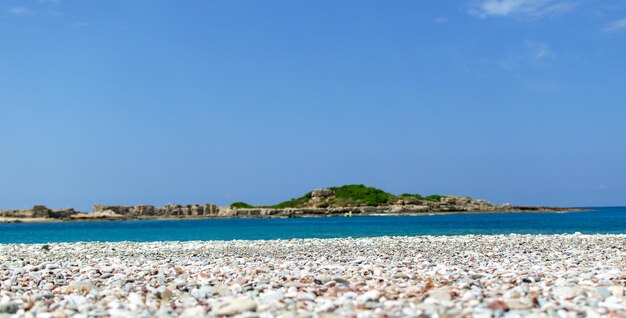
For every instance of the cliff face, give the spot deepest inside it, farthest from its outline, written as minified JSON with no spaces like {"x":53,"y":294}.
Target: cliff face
{"x":170,"y":210}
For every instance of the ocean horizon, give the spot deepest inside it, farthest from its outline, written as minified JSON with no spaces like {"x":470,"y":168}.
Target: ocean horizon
{"x":596,"y":220}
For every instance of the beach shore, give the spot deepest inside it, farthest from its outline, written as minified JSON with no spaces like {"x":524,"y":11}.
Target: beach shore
{"x":438,"y":276}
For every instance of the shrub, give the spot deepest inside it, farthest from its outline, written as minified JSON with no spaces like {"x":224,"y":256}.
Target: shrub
{"x":408,"y":195}
{"x":358,"y":194}
{"x":434,"y":198}
{"x":345,"y":196}
{"x":293,"y":203}
{"x":241,"y":205}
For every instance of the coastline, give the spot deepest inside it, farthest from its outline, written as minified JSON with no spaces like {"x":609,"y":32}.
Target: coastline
{"x":349,"y":200}
{"x":95,"y":217}
{"x":405,"y":276}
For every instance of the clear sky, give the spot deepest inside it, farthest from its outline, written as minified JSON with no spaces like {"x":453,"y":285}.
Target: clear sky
{"x":145,"y":101}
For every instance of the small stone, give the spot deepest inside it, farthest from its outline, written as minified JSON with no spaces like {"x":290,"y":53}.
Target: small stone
{"x":601,"y":292}
{"x":193,"y":312}
{"x":106,"y":269}
{"x":67,"y":289}
{"x":616,"y":290}
{"x":467,"y":296}
{"x":367,"y":296}
{"x":564,"y":292}
{"x":400,"y":275}
{"x":498,"y":305}
{"x":236,"y":306}
{"x":518,"y":304}
{"x":305,"y":296}
{"x":439,"y":295}
{"x":271,"y":297}
{"x":8,"y":307}
{"x":76,"y":300}
{"x":52,"y":266}
{"x":165,"y":294}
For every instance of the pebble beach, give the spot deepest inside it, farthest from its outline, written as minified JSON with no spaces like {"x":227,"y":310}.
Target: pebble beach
{"x":426,"y":276}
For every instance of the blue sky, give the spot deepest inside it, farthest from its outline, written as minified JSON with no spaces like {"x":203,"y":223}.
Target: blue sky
{"x":127,"y":102}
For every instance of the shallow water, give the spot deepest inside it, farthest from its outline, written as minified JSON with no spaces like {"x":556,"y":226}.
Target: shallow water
{"x":597,"y":220}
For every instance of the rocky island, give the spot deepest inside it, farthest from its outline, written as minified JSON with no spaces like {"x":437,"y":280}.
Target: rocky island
{"x":345,"y":200}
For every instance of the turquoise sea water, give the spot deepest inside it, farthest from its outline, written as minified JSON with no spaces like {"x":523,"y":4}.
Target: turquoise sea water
{"x":597,"y":220}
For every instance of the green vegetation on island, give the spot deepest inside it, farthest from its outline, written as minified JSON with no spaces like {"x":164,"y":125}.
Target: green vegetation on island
{"x":352,"y":195}
{"x":241,"y":205}
{"x":293,"y":203}
{"x":432,"y":198}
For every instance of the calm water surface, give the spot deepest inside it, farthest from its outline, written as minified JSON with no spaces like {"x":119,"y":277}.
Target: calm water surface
{"x":597,"y":220}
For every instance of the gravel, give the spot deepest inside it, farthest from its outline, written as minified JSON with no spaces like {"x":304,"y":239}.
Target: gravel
{"x":437,"y":276}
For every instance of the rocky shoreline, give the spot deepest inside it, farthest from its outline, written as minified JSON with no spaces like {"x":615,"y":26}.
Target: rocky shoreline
{"x":317,"y":203}
{"x":195,"y":211}
{"x":429,"y":276}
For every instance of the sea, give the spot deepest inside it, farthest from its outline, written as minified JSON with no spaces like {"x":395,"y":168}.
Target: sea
{"x":600,"y":220}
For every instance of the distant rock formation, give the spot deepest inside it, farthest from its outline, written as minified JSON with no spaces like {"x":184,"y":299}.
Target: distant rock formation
{"x":114,"y":212}
{"x":319,"y":202}
{"x":170,"y":210}
{"x":322,"y":193}
{"x":38,"y":211}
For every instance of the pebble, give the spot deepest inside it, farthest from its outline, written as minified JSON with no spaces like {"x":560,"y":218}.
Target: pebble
{"x":367,"y":296}
{"x":236,"y":306}
{"x":437,"y":276}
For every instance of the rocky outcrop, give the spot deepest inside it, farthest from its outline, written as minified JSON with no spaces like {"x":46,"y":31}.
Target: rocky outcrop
{"x":321,"y":202}
{"x":394,"y":209}
{"x":38,"y":212}
{"x":322,"y":193}
{"x":114,"y":212}
{"x":170,"y":210}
